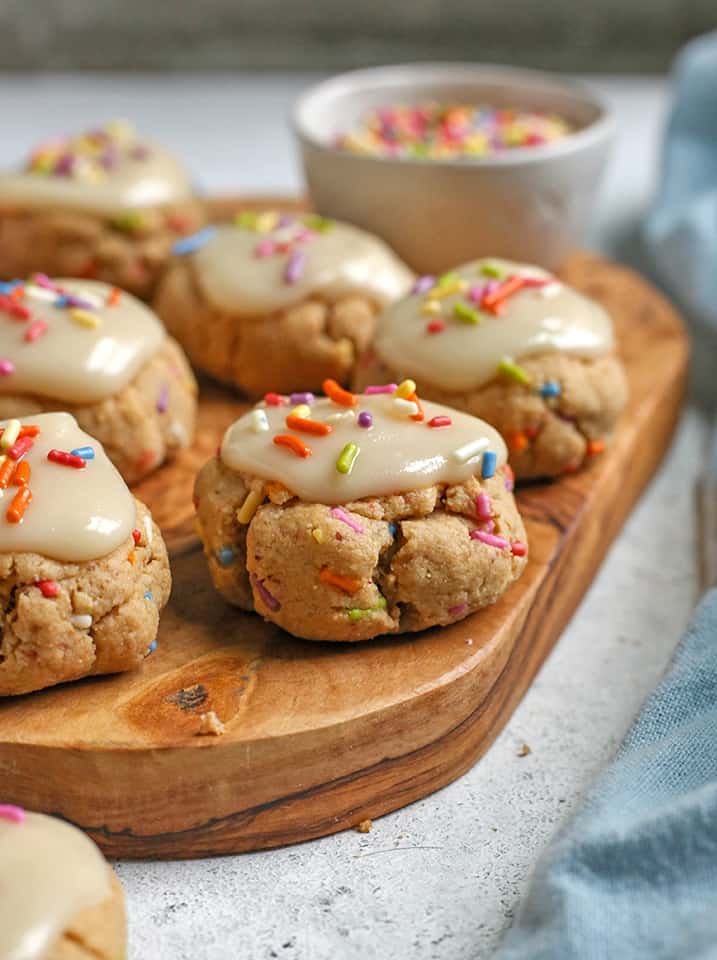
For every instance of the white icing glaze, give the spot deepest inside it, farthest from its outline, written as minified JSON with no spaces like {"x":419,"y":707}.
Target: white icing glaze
{"x":49,"y":872}
{"x":71,"y":362}
{"x":340,"y":261}
{"x":396,"y":455}
{"x":142,"y":175}
{"x":464,"y":356}
{"x":74,"y":515}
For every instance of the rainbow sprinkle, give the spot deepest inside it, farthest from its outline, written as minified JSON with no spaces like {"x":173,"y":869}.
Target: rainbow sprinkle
{"x":90,"y":157}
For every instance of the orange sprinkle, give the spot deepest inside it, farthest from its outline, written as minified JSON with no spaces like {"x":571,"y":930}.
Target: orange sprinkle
{"x":420,"y":415}
{"x":303,"y":424}
{"x":22,"y":474}
{"x":113,"y":297}
{"x":6,"y":473}
{"x":130,"y":557}
{"x":19,"y":505}
{"x":595,"y":446}
{"x":29,"y":431}
{"x":517,"y":441}
{"x":347,"y":584}
{"x":295,"y":444}
{"x":494,"y":301}
{"x":336,"y":392}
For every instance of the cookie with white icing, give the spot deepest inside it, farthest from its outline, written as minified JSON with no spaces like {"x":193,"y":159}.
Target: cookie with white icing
{"x":101,"y":354}
{"x":279,"y":301}
{"x":83,"y":568}
{"x":514,"y":345}
{"x":60,"y":898}
{"x":349,"y":516}
{"x":106,"y":204}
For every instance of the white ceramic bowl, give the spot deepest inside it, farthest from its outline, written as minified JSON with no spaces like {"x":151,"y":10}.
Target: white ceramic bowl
{"x":529,"y":203}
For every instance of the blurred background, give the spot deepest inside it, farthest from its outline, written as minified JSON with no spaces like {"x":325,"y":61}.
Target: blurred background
{"x":599,"y":36}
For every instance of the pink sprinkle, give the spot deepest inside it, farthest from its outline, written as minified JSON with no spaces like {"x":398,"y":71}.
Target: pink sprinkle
{"x":490,"y":539}
{"x":382,"y":388}
{"x":338,"y":514}
{"x":488,"y":526}
{"x":42,"y":280}
{"x":264,"y":248}
{"x":518,"y":548}
{"x":458,"y":610}
{"x":536,"y":281}
{"x":6,"y":368}
{"x":491,"y":287}
{"x":484,"y":506}
{"x":268,"y":598}
{"x":9,"y":811}
{"x":423,"y":284}
{"x":475,"y":294}
{"x":295,"y":267}
{"x":35,"y":331}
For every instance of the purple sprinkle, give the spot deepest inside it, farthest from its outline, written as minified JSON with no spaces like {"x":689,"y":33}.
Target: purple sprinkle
{"x":295,"y":267}
{"x":365,"y":419}
{"x":65,"y":165}
{"x":490,"y":539}
{"x":109,"y":157}
{"x":382,"y":388}
{"x":6,"y":368}
{"x":286,"y":220}
{"x":71,"y":300}
{"x":423,"y":284}
{"x":509,"y":485}
{"x":140,"y":152}
{"x":475,"y":294}
{"x":163,"y":399}
{"x":307,"y":398}
{"x":457,"y":610}
{"x":268,"y":598}
{"x":483,"y":506}
{"x":491,"y":286}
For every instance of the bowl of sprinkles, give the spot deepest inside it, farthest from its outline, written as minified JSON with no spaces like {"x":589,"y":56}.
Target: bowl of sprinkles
{"x":451,"y":162}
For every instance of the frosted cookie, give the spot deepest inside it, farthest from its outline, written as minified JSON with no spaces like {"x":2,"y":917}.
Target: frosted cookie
{"x":278,"y":301}
{"x":346,"y":517}
{"x":60,"y":898}
{"x":512,"y":344}
{"x":83,"y":568}
{"x":105,"y":204}
{"x":99,"y":353}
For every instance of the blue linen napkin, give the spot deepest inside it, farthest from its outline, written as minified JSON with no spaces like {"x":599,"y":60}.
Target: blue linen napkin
{"x":634,"y":875}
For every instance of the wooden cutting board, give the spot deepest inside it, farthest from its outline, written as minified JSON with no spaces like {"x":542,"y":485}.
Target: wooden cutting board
{"x":319,"y":736}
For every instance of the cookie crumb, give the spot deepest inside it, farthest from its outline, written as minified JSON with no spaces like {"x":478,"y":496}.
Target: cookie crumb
{"x":524,"y":750}
{"x":469,"y":642}
{"x":365,"y":826}
{"x":210,"y":725}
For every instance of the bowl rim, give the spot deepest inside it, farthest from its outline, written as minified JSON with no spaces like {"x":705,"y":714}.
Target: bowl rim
{"x":398,"y":75}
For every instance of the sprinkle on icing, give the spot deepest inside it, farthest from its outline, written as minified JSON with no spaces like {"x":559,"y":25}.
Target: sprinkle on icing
{"x":484,"y":318}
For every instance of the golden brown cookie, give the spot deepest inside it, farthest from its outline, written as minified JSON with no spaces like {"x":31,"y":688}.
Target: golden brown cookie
{"x":84,"y":576}
{"x":513,"y":345}
{"x":388,"y":524}
{"x":61,"y":900}
{"x":278,"y":301}
{"x":102,"y":355}
{"x":105,"y":204}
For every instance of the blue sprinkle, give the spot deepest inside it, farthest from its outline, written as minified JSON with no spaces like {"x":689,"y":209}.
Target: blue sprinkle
{"x":87,"y":453}
{"x":148,"y":596}
{"x":194,"y":241}
{"x":225,"y":556}
{"x":152,"y":647}
{"x":62,"y":301}
{"x":551,"y":388}
{"x":392,"y":529}
{"x":488,"y":465}
{"x":6,"y":288}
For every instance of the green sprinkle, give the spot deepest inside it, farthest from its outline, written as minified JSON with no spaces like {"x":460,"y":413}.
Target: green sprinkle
{"x":347,"y":458}
{"x":320,"y":224}
{"x":448,"y":278}
{"x":491,"y":270}
{"x":358,"y":613}
{"x":130,"y":221}
{"x":465,"y":313}
{"x":382,"y":604}
{"x":512,"y":370}
{"x":246,"y":219}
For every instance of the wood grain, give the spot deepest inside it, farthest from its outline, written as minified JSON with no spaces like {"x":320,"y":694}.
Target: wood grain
{"x":320,"y":737}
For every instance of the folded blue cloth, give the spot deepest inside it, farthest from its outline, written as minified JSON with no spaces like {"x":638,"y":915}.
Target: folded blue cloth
{"x":634,"y":875}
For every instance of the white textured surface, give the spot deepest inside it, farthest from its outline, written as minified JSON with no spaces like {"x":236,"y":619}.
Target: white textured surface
{"x":442,"y":878}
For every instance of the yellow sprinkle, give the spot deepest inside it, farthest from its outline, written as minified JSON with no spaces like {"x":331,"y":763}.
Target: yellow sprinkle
{"x":130,"y":557}
{"x":10,"y":434}
{"x":84,"y":318}
{"x":405,"y":389}
{"x":318,"y":535}
{"x":266,"y":222}
{"x":303,"y":410}
{"x":431,"y":308}
{"x":457,"y":286}
{"x":253,"y":501}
